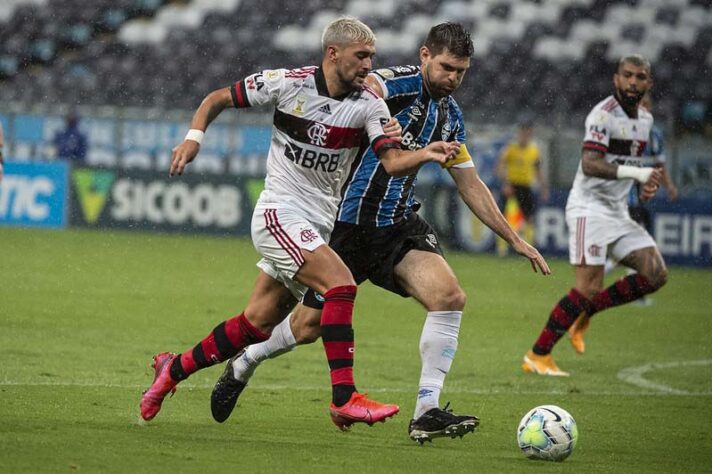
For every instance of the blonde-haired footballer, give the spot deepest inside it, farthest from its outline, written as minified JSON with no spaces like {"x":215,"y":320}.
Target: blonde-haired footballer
{"x":380,"y":237}
{"x":321,"y":115}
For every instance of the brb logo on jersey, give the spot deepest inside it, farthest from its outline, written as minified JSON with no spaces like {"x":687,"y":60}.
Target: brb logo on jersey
{"x":317,"y":134}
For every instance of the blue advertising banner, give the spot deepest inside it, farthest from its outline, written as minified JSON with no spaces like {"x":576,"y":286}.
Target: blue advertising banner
{"x":682,"y":229}
{"x":34,"y":194}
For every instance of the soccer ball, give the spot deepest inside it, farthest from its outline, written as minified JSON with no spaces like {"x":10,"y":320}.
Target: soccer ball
{"x":547,"y":432}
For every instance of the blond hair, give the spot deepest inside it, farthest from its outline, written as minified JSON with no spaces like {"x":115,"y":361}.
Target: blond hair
{"x":346,"y":30}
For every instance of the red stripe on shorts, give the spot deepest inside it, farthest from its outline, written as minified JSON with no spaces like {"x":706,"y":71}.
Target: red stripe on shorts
{"x":282,"y":238}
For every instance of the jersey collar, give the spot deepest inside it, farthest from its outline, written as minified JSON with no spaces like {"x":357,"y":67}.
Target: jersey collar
{"x":321,"y":88}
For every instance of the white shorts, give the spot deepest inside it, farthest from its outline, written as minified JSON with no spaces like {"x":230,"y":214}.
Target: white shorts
{"x":279,"y":234}
{"x":593,"y":238}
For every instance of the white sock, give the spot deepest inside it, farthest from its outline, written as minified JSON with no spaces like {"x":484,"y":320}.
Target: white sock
{"x":438,"y":344}
{"x":281,"y":341}
{"x":609,"y":266}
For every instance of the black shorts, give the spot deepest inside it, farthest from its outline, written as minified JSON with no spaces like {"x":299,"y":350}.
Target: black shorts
{"x":525,"y":198}
{"x":372,"y":253}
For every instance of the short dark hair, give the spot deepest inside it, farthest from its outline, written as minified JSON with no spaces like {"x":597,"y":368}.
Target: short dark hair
{"x":450,"y":36}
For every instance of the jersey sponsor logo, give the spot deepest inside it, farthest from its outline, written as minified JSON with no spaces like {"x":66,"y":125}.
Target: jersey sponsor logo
{"x":431,"y":240}
{"x":597,"y":133}
{"x":409,"y":142}
{"x":617,"y":146}
{"x":325,"y":109}
{"x":629,"y":161}
{"x":317,"y":134}
{"x":311,"y":159}
{"x":308,"y":235}
{"x":255,"y":82}
{"x":403,"y":69}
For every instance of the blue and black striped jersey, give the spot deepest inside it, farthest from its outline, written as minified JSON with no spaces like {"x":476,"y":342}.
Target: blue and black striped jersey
{"x":372,"y":196}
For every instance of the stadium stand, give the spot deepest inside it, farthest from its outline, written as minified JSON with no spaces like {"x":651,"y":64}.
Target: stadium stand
{"x":539,"y":57}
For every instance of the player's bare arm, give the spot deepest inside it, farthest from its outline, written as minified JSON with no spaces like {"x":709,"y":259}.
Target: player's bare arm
{"x":594,"y":164}
{"x":403,"y":163}
{"x":209,"y":109}
{"x":667,"y":183}
{"x":479,"y":199}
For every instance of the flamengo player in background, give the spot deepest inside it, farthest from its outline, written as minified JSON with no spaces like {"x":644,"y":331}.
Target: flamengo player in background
{"x":380,"y":237}
{"x":321,"y":114}
{"x":617,"y":130}
{"x":654,"y":155}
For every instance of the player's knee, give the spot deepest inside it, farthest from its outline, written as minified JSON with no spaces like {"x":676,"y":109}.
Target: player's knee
{"x":340,"y":277}
{"x":453,"y":299}
{"x":659,"y":278}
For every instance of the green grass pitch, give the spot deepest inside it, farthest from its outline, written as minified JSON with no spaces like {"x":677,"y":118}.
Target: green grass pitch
{"x":82,"y":312}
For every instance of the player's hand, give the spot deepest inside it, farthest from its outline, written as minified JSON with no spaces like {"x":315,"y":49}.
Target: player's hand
{"x":392,"y":129}
{"x":182,"y":155}
{"x":535,"y":258}
{"x":647,"y":191}
{"x":672,"y":192}
{"x":441,"y":152}
{"x":650,"y":187}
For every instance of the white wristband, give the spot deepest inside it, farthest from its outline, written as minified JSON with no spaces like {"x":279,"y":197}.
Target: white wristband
{"x":633,"y":172}
{"x":195,"y":135}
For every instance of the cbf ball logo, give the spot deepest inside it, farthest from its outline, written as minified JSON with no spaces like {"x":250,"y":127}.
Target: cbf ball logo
{"x":317,"y":134}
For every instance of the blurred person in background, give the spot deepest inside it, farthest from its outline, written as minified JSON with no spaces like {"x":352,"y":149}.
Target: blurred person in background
{"x":71,"y":143}
{"x":616,"y":133}
{"x":654,"y":155}
{"x":519,"y":169}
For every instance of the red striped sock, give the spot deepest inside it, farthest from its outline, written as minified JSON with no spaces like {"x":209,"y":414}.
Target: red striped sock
{"x":623,"y":291}
{"x":338,"y":337}
{"x":226,"y":340}
{"x":560,"y":320}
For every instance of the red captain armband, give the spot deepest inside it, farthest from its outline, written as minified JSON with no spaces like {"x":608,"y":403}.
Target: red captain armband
{"x":382,"y":144}
{"x":595,"y":147}
{"x":239,"y":95}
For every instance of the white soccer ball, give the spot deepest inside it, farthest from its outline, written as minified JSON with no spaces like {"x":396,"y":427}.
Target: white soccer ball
{"x":547,"y":432}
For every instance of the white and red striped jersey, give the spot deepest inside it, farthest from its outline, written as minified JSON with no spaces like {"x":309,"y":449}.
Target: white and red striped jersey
{"x":622,"y":140}
{"x":315,"y":138}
